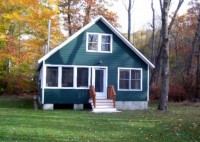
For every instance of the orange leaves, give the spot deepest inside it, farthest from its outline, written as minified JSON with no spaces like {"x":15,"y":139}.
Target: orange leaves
{"x":91,"y":2}
{"x":77,"y":14}
{"x":23,"y":33}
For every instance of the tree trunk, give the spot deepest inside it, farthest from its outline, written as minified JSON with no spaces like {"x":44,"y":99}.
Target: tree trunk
{"x":194,"y":46}
{"x":175,"y":13}
{"x":69,"y":18}
{"x":163,"y":104}
{"x":155,"y":75}
{"x":129,"y":19}
{"x":153,"y":34}
{"x":197,"y":92}
{"x":129,"y":8}
{"x":176,"y":51}
{"x":87,"y":15}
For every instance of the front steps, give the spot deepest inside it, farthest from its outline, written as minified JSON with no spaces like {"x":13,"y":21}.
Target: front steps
{"x":103,"y":106}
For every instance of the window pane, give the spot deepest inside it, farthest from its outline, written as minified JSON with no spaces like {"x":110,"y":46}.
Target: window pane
{"x":52,"y":77}
{"x":105,"y":42}
{"x":105,"y":47}
{"x":124,"y":74}
{"x":105,"y":39}
{"x":124,"y":84}
{"x":135,"y":84}
{"x":93,"y":42}
{"x":67,"y":77}
{"x":135,"y":74}
{"x":92,"y":46}
{"x":92,"y":38}
{"x":82,"y":77}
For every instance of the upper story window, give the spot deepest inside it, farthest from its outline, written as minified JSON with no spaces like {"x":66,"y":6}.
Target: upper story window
{"x":99,"y":42}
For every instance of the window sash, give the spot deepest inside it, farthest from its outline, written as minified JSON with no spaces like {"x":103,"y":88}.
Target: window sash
{"x":93,"y":42}
{"x":130,"y":79}
{"x":67,"y":77}
{"x":52,"y":77}
{"x":101,"y":42}
{"x":82,"y":77}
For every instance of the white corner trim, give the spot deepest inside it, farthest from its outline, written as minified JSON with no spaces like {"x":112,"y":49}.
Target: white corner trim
{"x":148,"y":84}
{"x":88,"y":26}
{"x":43,"y":81}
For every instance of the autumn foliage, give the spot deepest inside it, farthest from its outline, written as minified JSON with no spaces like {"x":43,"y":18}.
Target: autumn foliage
{"x":23,"y":36}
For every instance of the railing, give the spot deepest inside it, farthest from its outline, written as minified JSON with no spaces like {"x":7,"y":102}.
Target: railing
{"x":112,"y":94}
{"x":93,"y":95}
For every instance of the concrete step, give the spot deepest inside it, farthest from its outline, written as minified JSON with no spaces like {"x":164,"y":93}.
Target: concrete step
{"x":104,"y":104}
{"x":107,"y":110}
{"x":105,"y":107}
{"x":103,"y":101}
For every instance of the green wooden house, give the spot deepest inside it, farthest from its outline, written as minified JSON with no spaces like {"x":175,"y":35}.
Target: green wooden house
{"x":96,"y":65}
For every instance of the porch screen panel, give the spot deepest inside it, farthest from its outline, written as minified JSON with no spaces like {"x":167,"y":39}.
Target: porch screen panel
{"x":82,"y":77}
{"x":67,"y":77}
{"x":52,"y":77}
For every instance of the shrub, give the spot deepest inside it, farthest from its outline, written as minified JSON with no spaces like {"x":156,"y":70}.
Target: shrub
{"x":177,"y":93}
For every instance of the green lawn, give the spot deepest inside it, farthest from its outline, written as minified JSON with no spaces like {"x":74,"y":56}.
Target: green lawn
{"x":19,"y":122}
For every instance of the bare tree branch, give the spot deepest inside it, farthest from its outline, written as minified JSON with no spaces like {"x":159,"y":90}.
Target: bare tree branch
{"x":175,"y":14}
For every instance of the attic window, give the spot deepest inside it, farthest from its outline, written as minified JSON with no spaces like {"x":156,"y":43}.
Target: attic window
{"x":97,"y":42}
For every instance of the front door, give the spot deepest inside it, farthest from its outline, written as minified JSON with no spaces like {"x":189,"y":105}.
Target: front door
{"x":100,"y":82}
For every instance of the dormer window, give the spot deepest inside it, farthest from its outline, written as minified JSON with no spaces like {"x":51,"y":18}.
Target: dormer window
{"x":99,"y":43}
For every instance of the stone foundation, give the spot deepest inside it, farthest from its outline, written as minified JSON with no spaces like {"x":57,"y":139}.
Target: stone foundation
{"x":78,"y":106}
{"x":48,"y":106}
{"x":131,"y":105}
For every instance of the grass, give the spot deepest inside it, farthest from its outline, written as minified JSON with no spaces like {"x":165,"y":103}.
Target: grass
{"x":19,"y":122}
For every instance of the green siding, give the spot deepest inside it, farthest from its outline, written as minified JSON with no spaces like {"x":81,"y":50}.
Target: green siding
{"x":74,"y":53}
{"x":66,"y":96}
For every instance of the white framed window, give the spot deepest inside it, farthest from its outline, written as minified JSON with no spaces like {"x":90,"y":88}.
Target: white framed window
{"x":130,"y":79}
{"x":82,"y":77}
{"x":52,"y":77}
{"x":97,"y":42}
{"x":67,"y":77}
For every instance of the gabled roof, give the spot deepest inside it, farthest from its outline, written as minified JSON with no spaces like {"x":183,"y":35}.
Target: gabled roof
{"x":88,"y":26}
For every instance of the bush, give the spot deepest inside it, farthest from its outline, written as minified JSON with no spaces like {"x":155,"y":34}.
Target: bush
{"x":177,"y":93}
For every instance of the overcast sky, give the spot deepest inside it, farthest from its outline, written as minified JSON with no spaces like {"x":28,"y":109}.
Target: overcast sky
{"x":142,"y":13}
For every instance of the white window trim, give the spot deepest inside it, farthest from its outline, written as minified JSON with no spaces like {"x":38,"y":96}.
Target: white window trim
{"x":118,"y":77}
{"x":90,"y":75}
{"x":99,"y":43}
